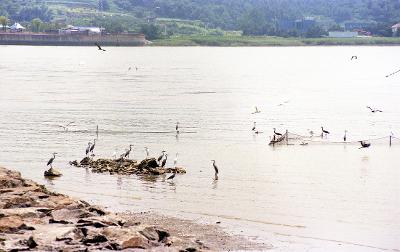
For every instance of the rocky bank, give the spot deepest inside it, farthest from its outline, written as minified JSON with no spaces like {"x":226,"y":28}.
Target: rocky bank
{"x":33,"y":218}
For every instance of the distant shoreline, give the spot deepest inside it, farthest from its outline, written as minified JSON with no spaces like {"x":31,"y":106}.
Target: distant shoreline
{"x":201,"y":40}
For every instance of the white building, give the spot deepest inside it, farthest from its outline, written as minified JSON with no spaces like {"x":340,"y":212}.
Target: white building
{"x":16,"y":27}
{"x":343,"y":34}
{"x":89,"y":30}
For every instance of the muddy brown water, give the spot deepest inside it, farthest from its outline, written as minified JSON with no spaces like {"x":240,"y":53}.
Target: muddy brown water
{"x":320,"y":197}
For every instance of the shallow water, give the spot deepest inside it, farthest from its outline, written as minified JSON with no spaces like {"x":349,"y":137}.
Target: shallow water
{"x":318,"y":197}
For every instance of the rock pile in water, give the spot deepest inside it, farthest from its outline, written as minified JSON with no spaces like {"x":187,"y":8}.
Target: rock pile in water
{"x":125,"y":166}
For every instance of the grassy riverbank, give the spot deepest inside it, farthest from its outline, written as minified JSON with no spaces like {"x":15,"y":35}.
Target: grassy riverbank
{"x":270,"y":41}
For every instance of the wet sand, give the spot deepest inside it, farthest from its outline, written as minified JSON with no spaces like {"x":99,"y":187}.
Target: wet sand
{"x":33,"y":218}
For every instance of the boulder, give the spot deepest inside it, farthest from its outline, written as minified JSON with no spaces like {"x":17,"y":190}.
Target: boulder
{"x":52,"y":173}
{"x":148,"y":163}
{"x":135,"y":242}
{"x":11,"y":224}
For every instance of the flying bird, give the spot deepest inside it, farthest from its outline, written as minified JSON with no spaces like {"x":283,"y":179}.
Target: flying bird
{"x":101,"y":49}
{"x":392,"y":73}
{"x":374,"y":110}
{"x":65,"y":127}
{"x":354,"y":57}
{"x":50,"y":162}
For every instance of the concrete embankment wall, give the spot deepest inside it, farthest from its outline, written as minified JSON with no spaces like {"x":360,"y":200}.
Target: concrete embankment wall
{"x":71,"y":40}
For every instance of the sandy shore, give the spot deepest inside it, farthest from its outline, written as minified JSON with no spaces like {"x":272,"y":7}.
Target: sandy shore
{"x":33,"y":218}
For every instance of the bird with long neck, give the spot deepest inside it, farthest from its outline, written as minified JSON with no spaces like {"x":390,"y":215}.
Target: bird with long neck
{"x":92,"y":147}
{"x":177,"y":127}
{"x":364,"y":144}
{"x":50,"y":162}
{"x":215,"y":170}
{"x":161,"y":156}
{"x":164,"y":161}
{"x":147,"y":150}
{"x":324,"y":132}
{"x":128,"y":151}
{"x":88,"y":148}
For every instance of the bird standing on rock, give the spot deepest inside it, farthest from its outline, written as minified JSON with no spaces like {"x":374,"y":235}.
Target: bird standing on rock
{"x":160,"y":157}
{"x":126,"y":154}
{"x":147,"y":151}
{"x":50,"y":162}
{"x":88,"y":148}
{"x":164,"y":161}
{"x":92,"y":147}
{"x":215,"y":169}
{"x":176,"y":160}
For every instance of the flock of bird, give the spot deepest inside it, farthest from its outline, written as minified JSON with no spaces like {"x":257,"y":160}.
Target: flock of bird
{"x":162,"y":159}
{"x":324,"y":132}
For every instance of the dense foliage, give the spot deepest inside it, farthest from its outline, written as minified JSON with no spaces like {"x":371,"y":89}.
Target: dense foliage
{"x":253,"y":17}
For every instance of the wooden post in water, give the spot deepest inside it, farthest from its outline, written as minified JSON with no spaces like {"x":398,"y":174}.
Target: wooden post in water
{"x":287,"y":137}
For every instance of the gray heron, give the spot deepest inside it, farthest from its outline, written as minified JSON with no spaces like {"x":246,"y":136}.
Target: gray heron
{"x":147,"y":151}
{"x":164,"y":161}
{"x":88,"y":148}
{"x":324,"y":131}
{"x":161,"y":156}
{"x":50,"y":162}
{"x":215,"y":169}
{"x":92,"y":147}
{"x":128,"y":151}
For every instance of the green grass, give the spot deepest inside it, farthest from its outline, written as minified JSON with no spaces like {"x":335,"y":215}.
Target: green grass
{"x":229,"y":40}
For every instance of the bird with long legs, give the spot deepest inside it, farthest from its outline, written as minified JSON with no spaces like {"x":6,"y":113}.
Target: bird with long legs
{"x":215,"y":170}
{"x":177,"y":127}
{"x":176,"y":160}
{"x":92,"y":147}
{"x":88,"y":148}
{"x":161,"y":156}
{"x":324,"y":132}
{"x":164,"y":161}
{"x":51,"y":160}
{"x":128,"y":151}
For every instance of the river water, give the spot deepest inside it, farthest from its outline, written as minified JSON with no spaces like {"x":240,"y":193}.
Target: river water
{"x":319,"y":197}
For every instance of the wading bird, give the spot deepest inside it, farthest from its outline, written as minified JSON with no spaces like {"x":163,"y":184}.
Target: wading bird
{"x":147,"y":151}
{"x":161,"y":156}
{"x":92,"y":147}
{"x":254,"y":126}
{"x":88,"y":148}
{"x":345,"y":136}
{"x":50,"y":162}
{"x":65,"y":127}
{"x":215,"y":169}
{"x":164,"y":161}
{"x":374,"y":110}
{"x":177,"y":127}
{"x":324,"y":131}
{"x":99,"y":47}
{"x":364,"y":144}
{"x":277,"y":133}
{"x":128,"y":151}
{"x":257,"y":111}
